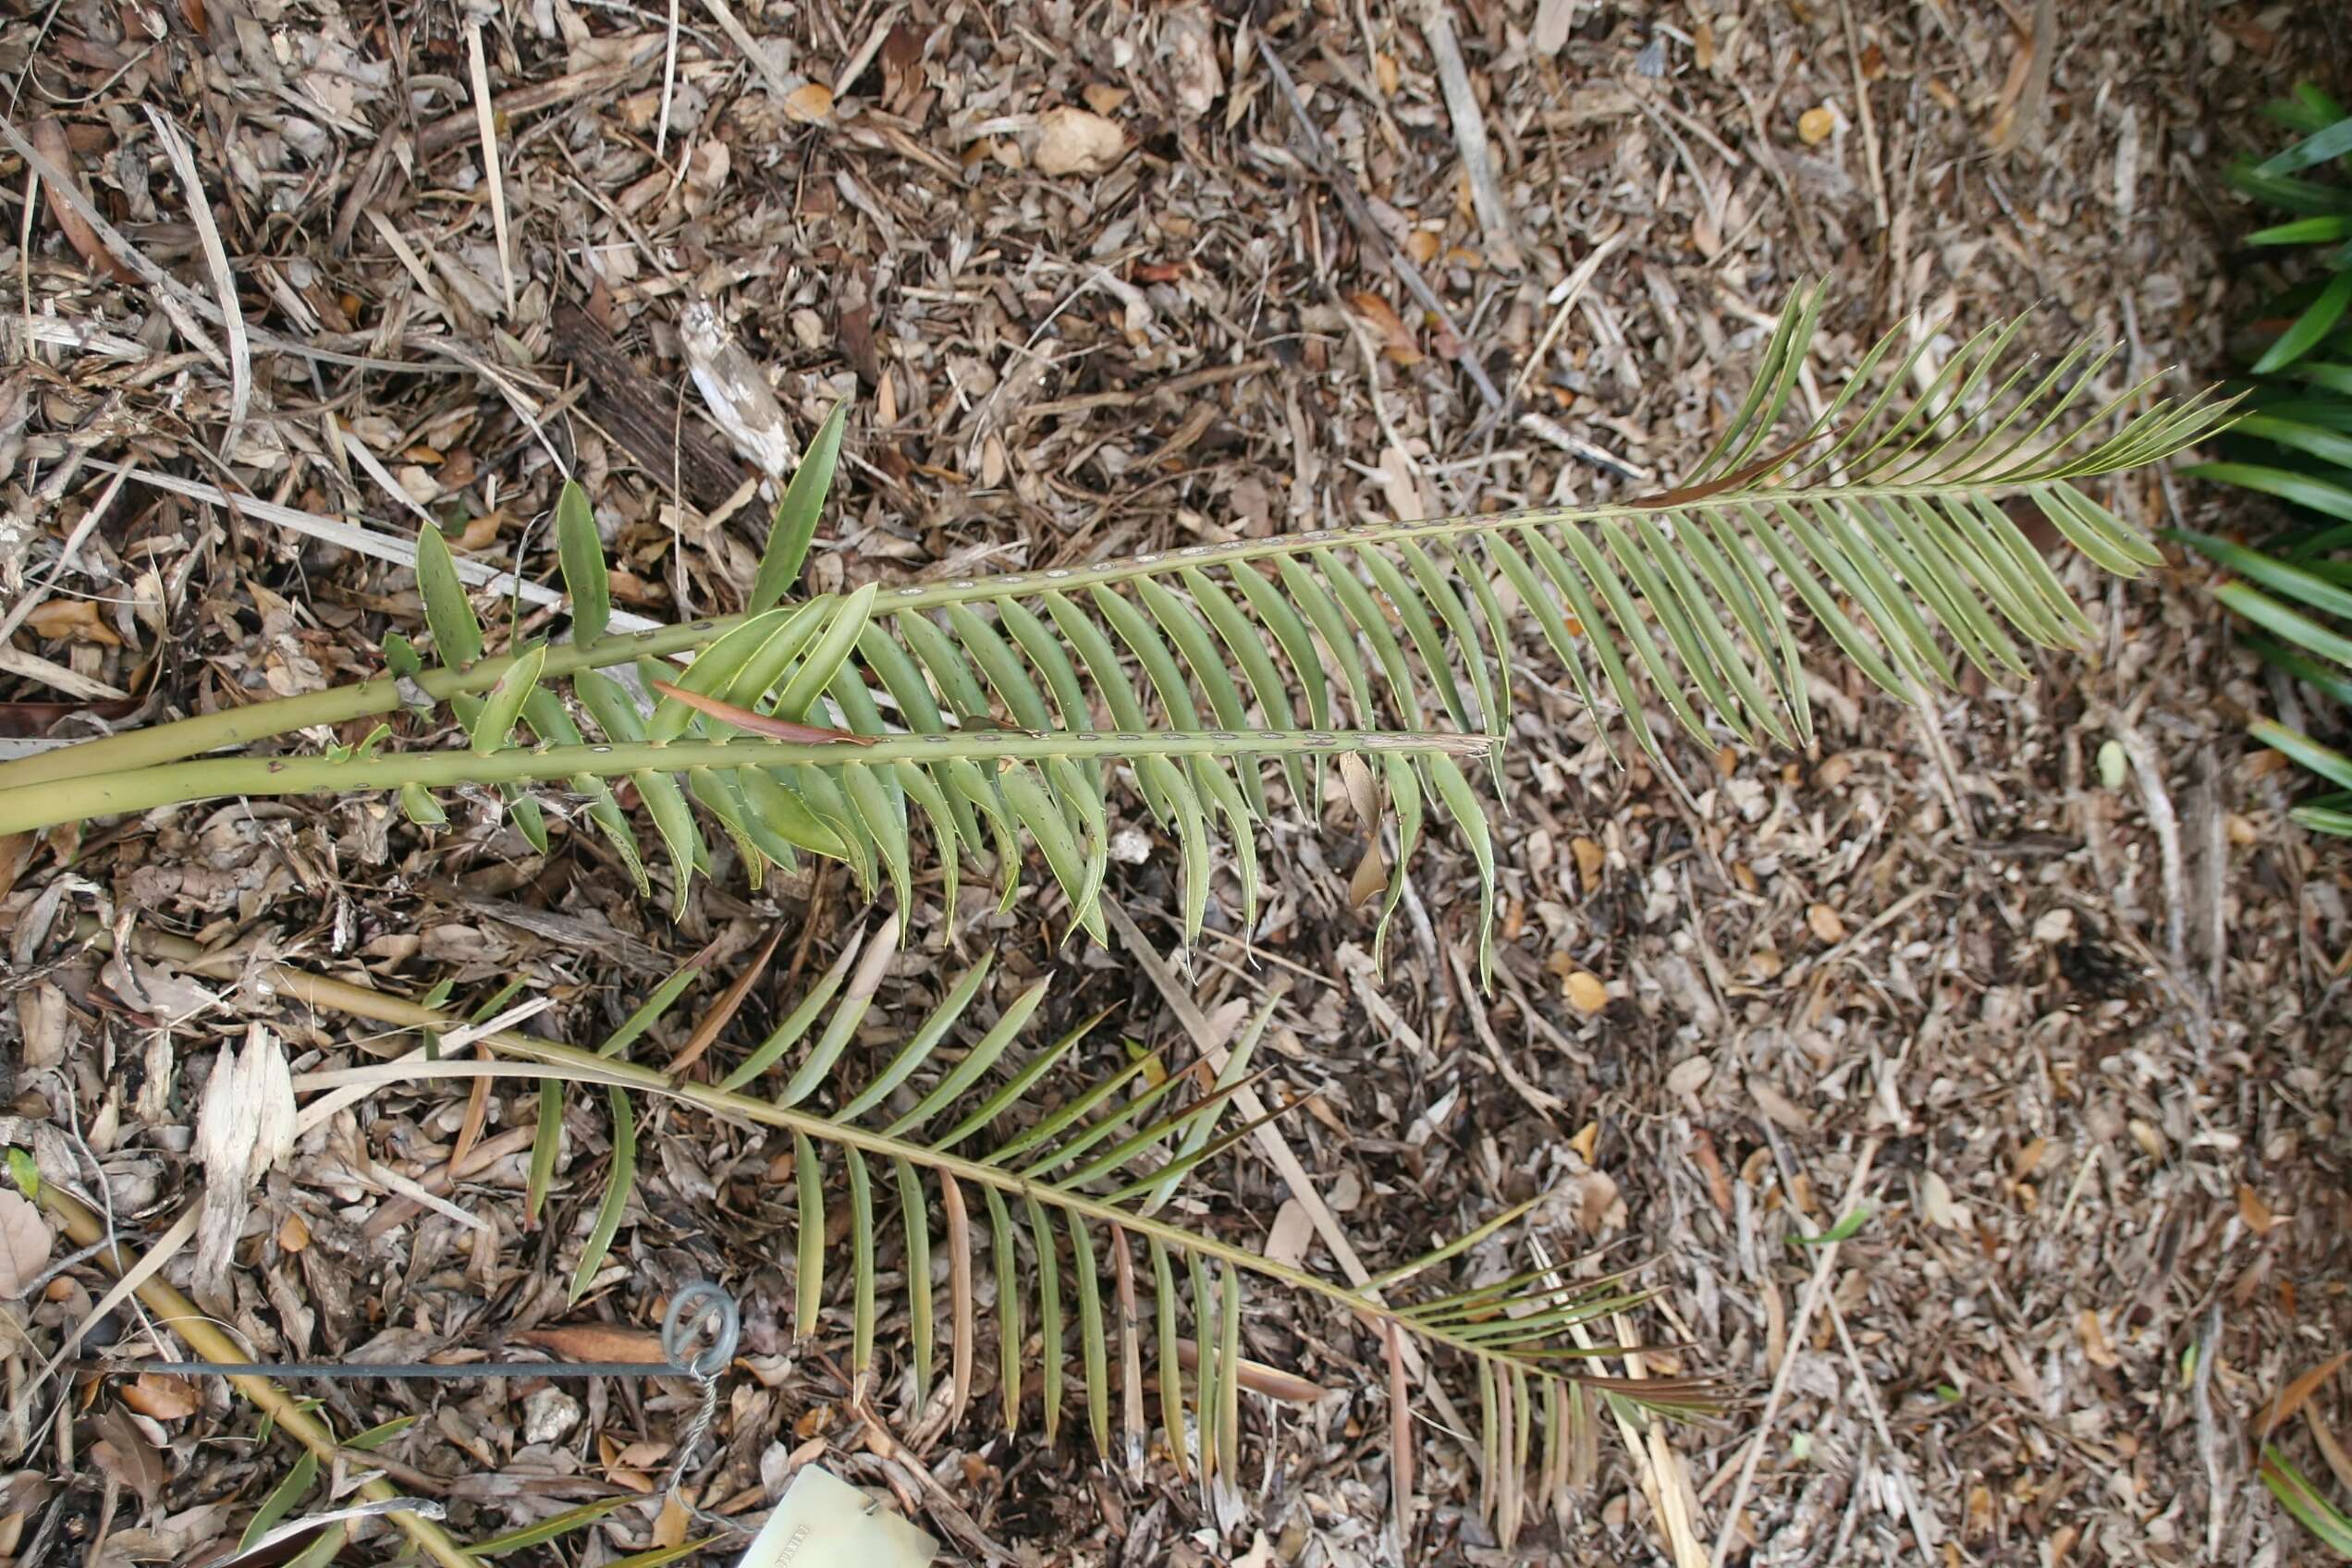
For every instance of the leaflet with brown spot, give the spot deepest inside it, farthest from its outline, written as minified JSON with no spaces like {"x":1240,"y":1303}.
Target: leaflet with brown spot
{"x":759,"y":723}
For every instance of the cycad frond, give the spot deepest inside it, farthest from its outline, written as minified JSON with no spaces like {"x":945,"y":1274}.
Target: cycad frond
{"x":1071,"y":1174}
{"x":1005,"y":697}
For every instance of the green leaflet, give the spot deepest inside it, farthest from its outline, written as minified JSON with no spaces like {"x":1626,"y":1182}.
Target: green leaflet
{"x":504,"y":705}
{"x":795,"y":524}
{"x":581,"y":554}
{"x":281,"y":1500}
{"x":457,"y":635}
{"x":543,"y":1149}
{"x":552,"y":1529}
{"x":619,"y":1181}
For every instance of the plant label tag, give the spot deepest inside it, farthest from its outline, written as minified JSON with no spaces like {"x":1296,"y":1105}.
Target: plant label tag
{"x":824,"y":1521}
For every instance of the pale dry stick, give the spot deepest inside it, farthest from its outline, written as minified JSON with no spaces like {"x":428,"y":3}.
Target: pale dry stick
{"x":1469,"y":133}
{"x":458,"y":1040}
{"x":444,"y":1176}
{"x":1544,"y":428}
{"x":875,"y":36}
{"x":668,"y":86}
{"x":2208,"y":1434}
{"x":1681,"y":1517}
{"x":1541,"y":1101}
{"x":2020,"y":114}
{"x":412,"y":263}
{"x":24,"y":253}
{"x":1815,"y":1289}
{"x":414,"y":1191}
{"x":2149,"y":769}
{"x":1565,"y":296}
{"x":232,"y":314}
{"x":72,"y":682}
{"x":752,"y":54}
{"x":1947,"y":770}
{"x":1363,"y":335}
{"x":362,"y":541}
{"x":290,"y":1415}
{"x":486,"y":121}
{"x":1862,"y":108}
{"x":350,"y":1092}
{"x":1715,"y":202}
{"x":525,"y":409}
{"x":1908,"y":1486}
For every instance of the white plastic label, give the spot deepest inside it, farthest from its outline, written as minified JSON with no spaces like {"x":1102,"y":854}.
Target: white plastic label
{"x":824,"y":1521}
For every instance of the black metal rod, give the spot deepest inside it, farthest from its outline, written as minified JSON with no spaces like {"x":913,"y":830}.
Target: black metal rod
{"x":394,"y":1368}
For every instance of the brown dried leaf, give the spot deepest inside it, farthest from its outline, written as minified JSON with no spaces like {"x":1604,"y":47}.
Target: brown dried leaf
{"x":24,"y":1243}
{"x":724,"y":1009}
{"x":2254,"y":1211}
{"x":1371,"y":874}
{"x":1941,"y":1209}
{"x":808,"y":104}
{"x":1190,"y":38}
{"x":595,"y":1341}
{"x":165,"y":1399}
{"x":1825,"y":923}
{"x":670,"y":1527}
{"x":42,"y":1021}
{"x":1593,"y":1201}
{"x":1292,"y":1231}
{"x":1778,"y":1106}
{"x":902,"y":66}
{"x":2324,"y":1438}
{"x":74,"y":620}
{"x":1553,"y":20}
{"x":15,"y":849}
{"x":1690,"y":1075}
{"x":1074,"y":140}
{"x":1398,"y":343}
{"x":1585,"y":992}
{"x":124,"y":1453}
{"x":49,"y":140}
{"x":2292,"y":1397}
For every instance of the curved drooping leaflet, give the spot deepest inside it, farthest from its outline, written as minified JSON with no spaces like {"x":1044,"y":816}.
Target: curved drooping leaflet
{"x":976,"y":1151}
{"x":990,"y":713}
